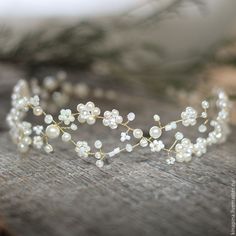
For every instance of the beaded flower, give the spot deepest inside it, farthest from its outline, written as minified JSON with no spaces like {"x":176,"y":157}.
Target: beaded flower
{"x":82,"y":148}
{"x":88,"y":113}
{"x":66,"y":116}
{"x":189,"y":116}
{"x":156,"y":146}
{"x":112,"y":119}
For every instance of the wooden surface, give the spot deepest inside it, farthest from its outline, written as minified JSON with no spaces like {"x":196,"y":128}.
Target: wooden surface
{"x":136,"y":194}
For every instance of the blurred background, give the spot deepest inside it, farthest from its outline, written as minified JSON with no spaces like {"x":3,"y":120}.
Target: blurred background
{"x":174,"y":49}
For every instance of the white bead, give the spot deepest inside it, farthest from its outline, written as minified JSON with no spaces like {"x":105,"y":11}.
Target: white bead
{"x":119,"y":119}
{"x":129,"y":148}
{"x":90,"y":106}
{"x":204,"y":115}
{"x":48,"y":119}
{"x":155,"y":132}
{"x":50,"y":83}
{"x":100,"y":163}
{"x":202,"y":128}
{"x":66,"y":137}
{"x":27,"y":140}
{"x":98,"y":155}
{"x":138,"y":133}
{"x":143,"y":142}
{"x":156,"y":117}
{"x":48,"y":148}
{"x":179,"y":136}
{"x":205,"y":104}
{"x":131,"y":116}
{"x":98,"y":144}
{"x":38,"y":111}
{"x":52,"y":131}
{"x":96,"y":111}
{"x":74,"y":127}
{"x":23,"y":148}
{"x":91,"y":120}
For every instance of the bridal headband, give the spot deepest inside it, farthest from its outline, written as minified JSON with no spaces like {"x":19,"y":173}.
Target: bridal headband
{"x":30,"y":96}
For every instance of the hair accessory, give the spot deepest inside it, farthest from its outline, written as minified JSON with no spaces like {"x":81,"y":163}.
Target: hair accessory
{"x":25,"y":135}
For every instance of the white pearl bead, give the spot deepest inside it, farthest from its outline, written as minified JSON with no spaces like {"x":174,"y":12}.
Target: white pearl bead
{"x":98,"y":155}
{"x":119,"y":119}
{"x":155,"y":132}
{"x":52,"y":131}
{"x":156,"y":117}
{"x":205,"y":104}
{"x":90,"y":106}
{"x":48,"y":119}
{"x":74,"y":127}
{"x":131,"y":116}
{"x":202,"y":128}
{"x":27,"y":140}
{"x":96,"y":111}
{"x":98,"y":144}
{"x":48,"y":148}
{"x":66,"y":137}
{"x":50,"y":83}
{"x":143,"y":142}
{"x":99,"y":163}
{"x":38,"y":111}
{"x":129,"y":148}
{"x":138,"y":133}
{"x":23,"y":148}
{"x":91,"y":120}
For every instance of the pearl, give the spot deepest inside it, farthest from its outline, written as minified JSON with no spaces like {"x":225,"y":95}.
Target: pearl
{"x":66,"y":137}
{"x":27,"y":140}
{"x":99,"y":163}
{"x":98,"y":155}
{"x":23,"y":148}
{"x":202,"y":128}
{"x":48,"y":119}
{"x":52,"y":131}
{"x":131,"y":116}
{"x":74,"y":127}
{"x":91,"y":120}
{"x":98,"y":144}
{"x":138,"y":133}
{"x":179,"y":136}
{"x":129,"y":148}
{"x":38,"y":111}
{"x":143,"y":142}
{"x":156,"y":117}
{"x":96,"y":111}
{"x":90,"y":106}
{"x":155,"y":132}
{"x":205,"y":104}
{"x":48,"y":148}
{"x":119,"y":119}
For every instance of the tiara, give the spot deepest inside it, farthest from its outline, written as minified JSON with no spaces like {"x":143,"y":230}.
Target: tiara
{"x":31,"y":97}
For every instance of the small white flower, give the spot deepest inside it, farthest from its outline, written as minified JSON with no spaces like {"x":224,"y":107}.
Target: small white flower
{"x":189,"y":116}
{"x":34,"y":101}
{"x":26,"y":128}
{"x":124,"y":136}
{"x":88,"y":113}
{"x":38,"y":142}
{"x":112,"y":119}
{"x":66,"y":116}
{"x":200,"y":147}
{"x":184,"y":150}
{"x":82,"y":148}
{"x":156,"y":146}
{"x":170,"y":161}
{"x":38,"y":129}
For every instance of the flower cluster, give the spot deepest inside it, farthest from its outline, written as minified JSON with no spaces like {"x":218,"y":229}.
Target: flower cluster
{"x":184,"y":150}
{"x":156,"y":146}
{"x":88,"y":113}
{"x":66,"y":116}
{"x":189,"y":116}
{"x":112,"y":119}
{"x":82,"y":148}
